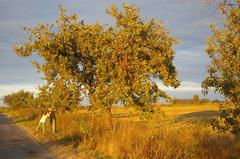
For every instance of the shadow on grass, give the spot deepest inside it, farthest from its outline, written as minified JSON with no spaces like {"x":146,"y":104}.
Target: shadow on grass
{"x":19,"y":120}
{"x":65,"y":140}
{"x":220,"y":146}
{"x":74,"y":140}
{"x":203,"y":116}
{"x":72,"y":147}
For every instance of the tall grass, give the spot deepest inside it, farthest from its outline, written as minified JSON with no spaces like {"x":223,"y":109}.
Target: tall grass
{"x":23,"y":114}
{"x":157,"y":137}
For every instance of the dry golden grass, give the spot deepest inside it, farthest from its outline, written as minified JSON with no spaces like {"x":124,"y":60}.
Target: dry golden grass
{"x":179,"y":109}
{"x":172,"y":132}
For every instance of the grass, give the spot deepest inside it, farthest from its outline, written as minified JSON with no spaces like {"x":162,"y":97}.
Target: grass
{"x":172,"y":132}
{"x":2,"y":108}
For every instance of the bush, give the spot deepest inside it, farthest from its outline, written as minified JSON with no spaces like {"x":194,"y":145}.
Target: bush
{"x":196,"y":99}
{"x":229,"y":120}
{"x":19,"y":99}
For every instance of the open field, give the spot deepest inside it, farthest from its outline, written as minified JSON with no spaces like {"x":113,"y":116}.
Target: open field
{"x":177,"y":131}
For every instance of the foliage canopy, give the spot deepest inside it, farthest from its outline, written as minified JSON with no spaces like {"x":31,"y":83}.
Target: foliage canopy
{"x":110,"y":64}
{"x":20,"y":99}
{"x":224,"y":71}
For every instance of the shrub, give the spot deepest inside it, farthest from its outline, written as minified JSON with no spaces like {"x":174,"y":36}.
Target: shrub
{"x":20,"y":99}
{"x":196,"y":99}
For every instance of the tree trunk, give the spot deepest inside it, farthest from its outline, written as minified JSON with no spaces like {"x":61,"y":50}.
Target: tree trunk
{"x":108,"y":118}
{"x":93,"y":102}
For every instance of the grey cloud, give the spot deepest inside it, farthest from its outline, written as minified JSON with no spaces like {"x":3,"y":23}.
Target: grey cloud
{"x":14,"y":69}
{"x":191,"y":65}
{"x":14,"y":9}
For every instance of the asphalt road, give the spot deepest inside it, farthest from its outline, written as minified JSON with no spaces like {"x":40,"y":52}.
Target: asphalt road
{"x":15,"y":144}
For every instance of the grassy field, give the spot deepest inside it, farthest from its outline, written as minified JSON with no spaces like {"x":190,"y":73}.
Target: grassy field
{"x":171,"y":132}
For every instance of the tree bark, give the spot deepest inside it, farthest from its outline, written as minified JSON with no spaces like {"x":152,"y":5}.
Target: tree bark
{"x":108,"y":118}
{"x":93,"y":102}
{"x":107,"y":115}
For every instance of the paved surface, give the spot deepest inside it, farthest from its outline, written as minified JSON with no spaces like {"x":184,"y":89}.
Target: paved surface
{"x":15,"y":144}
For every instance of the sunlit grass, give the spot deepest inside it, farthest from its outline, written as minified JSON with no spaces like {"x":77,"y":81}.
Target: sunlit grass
{"x":175,"y":131}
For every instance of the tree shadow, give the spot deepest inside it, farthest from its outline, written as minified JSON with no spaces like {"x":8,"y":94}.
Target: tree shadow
{"x":74,"y":140}
{"x":70,"y":146}
{"x":19,"y":120}
{"x":203,"y":116}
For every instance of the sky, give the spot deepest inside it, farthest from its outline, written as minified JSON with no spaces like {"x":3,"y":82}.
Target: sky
{"x":188,"y":20}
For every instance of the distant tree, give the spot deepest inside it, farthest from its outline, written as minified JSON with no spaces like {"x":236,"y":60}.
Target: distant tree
{"x":205,"y":100}
{"x":196,"y":99}
{"x":182,"y":101}
{"x":216,"y":101}
{"x":20,"y":99}
{"x":224,"y":70}
{"x":175,"y":101}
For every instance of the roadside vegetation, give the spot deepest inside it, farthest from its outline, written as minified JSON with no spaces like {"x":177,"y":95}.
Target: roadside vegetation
{"x":171,"y":132}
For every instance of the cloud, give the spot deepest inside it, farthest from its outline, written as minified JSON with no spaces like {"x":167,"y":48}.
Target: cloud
{"x":185,"y":86}
{"x":191,"y":65}
{"x":188,"y":89}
